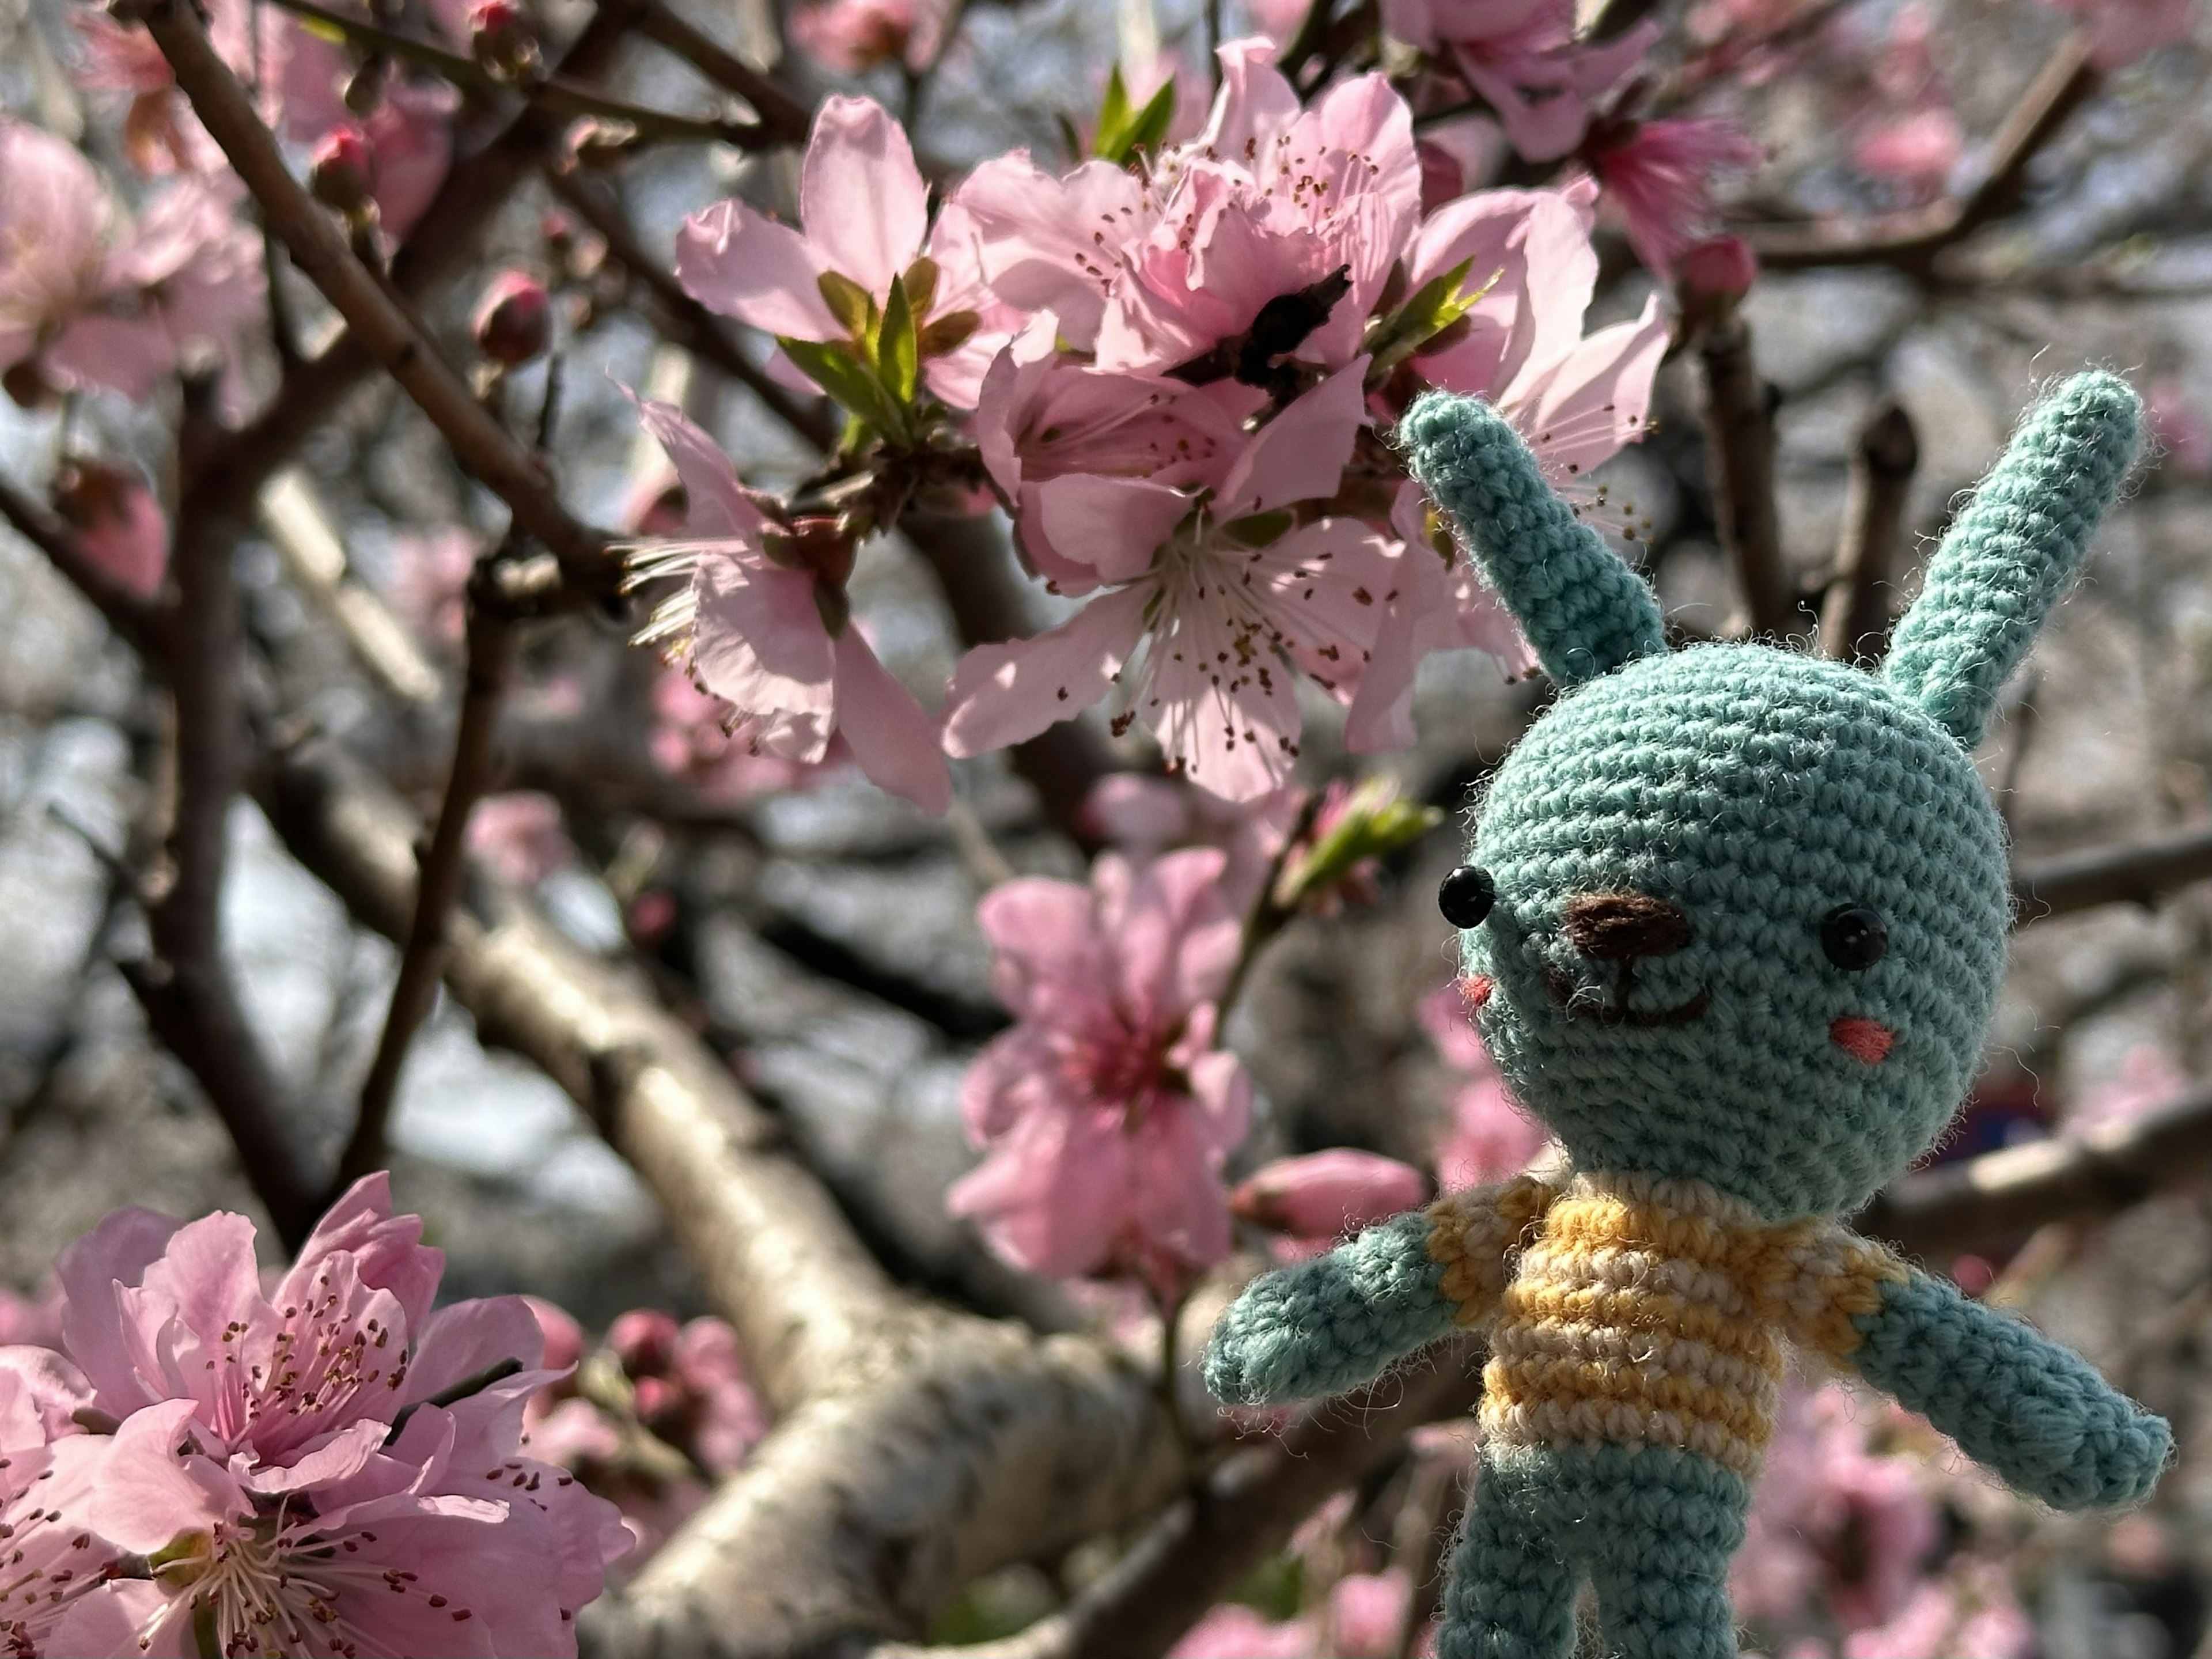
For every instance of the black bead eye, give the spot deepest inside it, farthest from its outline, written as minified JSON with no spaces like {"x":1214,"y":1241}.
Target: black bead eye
{"x":1467,"y":896}
{"x":1854,"y":938}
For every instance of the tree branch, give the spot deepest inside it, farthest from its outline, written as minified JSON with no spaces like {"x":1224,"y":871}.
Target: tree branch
{"x":138,"y":621}
{"x":783,"y":117}
{"x":553,"y":94}
{"x":1854,"y":615}
{"x":1245,"y":1512}
{"x":383,"y":326}
{"x":1739,"y":430}
{"x":2137,"y":872}
{"x":490,"y":656}
{"x":920,"y":1446}
{"x":1982,"y":1202}
{"x":1911,"y":240}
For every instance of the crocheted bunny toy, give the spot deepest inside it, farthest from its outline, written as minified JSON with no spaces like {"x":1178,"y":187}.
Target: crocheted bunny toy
{"x":1734,"y":925}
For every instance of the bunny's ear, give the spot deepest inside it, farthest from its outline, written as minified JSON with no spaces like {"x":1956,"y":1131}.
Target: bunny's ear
{"x":1585,"y":612}
{"x":2014,"y":551}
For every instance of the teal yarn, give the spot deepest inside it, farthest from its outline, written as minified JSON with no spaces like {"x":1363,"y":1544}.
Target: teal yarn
{"x":1671,"y":846}
{"x":2036,"y":1414}
{"x":1759,"y":790}
{"x":1584,"y":611}
{"x":1331,"y":1323}
{"x":2014,"y":551}
{"x":1650,"y":1530}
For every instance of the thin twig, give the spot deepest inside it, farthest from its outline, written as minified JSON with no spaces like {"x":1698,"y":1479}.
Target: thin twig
{"x":782,"y":117}
{"x":1740,"y":428}
{"x":1855,"y":615}
{"x":423,"y":961}
{"x":2139,"y":872}
{"x":376,"y":317}
{"x":1911,"y":240}
{"x":551,"y":92}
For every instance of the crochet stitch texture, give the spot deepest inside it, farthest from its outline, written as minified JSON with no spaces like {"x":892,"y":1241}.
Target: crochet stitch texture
{"x":1670,"y":845}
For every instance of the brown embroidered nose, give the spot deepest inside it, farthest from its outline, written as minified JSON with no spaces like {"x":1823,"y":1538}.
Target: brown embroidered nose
{"x":1618,"y":926}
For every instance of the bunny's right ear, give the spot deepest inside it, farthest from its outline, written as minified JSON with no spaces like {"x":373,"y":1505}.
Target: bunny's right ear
{"x":2013,"y":552}
{"x":1584,"y":610}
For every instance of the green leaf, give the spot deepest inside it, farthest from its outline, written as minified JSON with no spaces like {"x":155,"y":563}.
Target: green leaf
{"x":947,"y":333}
{"x":849,"y":303}
{"x":852,"y":383}
{"x":1113,"y":113}
{"x":921,"y":284}
{"x":1123,"y":130}
{"x":1432,"y":308}
{"x":1372,"y":823}
{"x":898,"y":350}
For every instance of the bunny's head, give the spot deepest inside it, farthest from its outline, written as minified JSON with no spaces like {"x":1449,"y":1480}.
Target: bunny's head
{"x":1737,"y":913}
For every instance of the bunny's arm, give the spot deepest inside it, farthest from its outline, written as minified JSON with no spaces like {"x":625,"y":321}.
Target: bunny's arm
{"x":2036,"y":1415}
{"x":1342,"y":1319}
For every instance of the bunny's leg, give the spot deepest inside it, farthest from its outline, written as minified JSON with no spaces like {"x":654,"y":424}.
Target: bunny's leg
{"x":1662,"y":1539}
{"x":1509,"y":1595}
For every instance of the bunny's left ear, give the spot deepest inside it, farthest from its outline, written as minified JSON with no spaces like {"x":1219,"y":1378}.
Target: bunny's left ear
{"x":2014,"y":551}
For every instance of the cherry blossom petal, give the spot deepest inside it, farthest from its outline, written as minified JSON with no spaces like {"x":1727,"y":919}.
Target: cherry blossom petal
{"x":717,"y":507}
{"x":469,"y":1338}
{"x":1046,"y":244}
{"x":1256,"y":101}
{"x":1054,"y":1195}
{"x":388,"y":1250}
{"x":1002,"y":694}
{"x":894,"y":740}
{"x":1581,"y":410}
{"x":731,"y":260}
{"x":1301,"y":452}
{"x":148,"y":1495}
{"x":758,"y":642}
{"x":1113,"y":525}
{"x":861,"y":198}
{"x":1175,"y":940}
{"x":116,"y":1252}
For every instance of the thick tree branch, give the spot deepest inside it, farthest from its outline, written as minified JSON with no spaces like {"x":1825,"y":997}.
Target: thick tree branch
{"x":1245,"y":1511}
{"x":1740,"y":432}
{"x":1854,"y":615}
{"x":920,"y":1447}
{"x":1912,"y":240}
{"x":2138,"y":872}
{"x":386,"y":331}
{"x":1981,"y":1203}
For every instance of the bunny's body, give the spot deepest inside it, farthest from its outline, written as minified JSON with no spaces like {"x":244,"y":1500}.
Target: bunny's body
{"x":1748,"y":926}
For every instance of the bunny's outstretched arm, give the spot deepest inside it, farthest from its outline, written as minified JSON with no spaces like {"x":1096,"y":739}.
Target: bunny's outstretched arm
{"x":1343,"y":1319}
{"x":2035,"y":1413}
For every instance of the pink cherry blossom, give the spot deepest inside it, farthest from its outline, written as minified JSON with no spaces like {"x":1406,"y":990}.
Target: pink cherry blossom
{"x":854,"y":36}
{"x":1491,"y":1137}
{"x":2184,"y":435}
{"x":688,"y":740}
{"x":161,"y":134}
{"x":47,"y":1468}
{"x":777,"y":640}
{"x":1211,"y":590}
{"x":1143,"y":816}
{"x":1521,"y":56}
{"x":863,"y":214}
{"x":518,"y":835}
{"x":1326,"y":1194}
{"x":1233,"y":1631}
{"x":1918,"y":149}
{"x":1972,"y":1611}
{"x":1658,"y":177}
{"x":118,"y":524}
{"x":286,"y":1455}
{"x":2121,"y":31}
{"x":1365,"y":1611}
{"x":1268,"y":202}
{"x":91,"y":302}
{"x":1107,"y":1111}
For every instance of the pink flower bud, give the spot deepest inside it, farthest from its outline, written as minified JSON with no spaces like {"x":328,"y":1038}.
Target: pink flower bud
{"x":564,"y":1338}
{"x":342,"y":171}
{"x":1723,"y":267}
{"x":645,"y":1340}
{"x":1324,"y":1194}
{"x":120,"y":527}
{"x":514,"y":320}
{"x":503,"y":36}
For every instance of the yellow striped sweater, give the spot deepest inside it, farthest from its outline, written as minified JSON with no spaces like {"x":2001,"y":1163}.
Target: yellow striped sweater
{"x":1635,"y":1311}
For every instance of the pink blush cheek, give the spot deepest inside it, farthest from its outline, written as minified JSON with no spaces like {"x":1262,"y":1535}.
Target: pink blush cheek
{"x":1474,"y":991}
{"x":1861,"y":1039}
